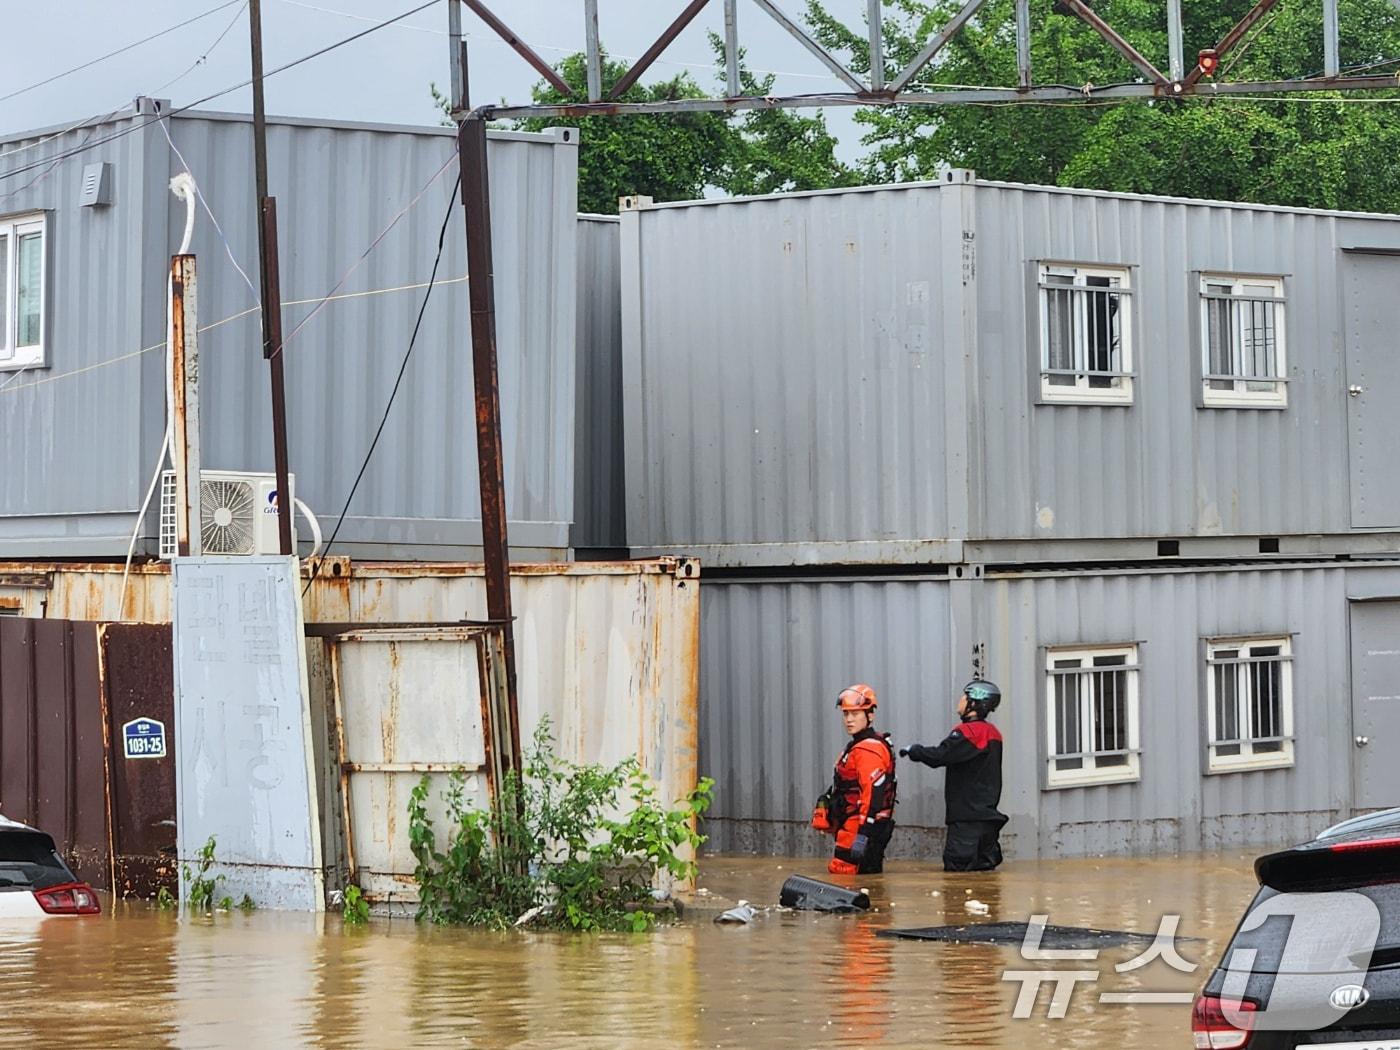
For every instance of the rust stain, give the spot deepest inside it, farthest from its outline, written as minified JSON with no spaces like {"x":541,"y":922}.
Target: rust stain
{"x":389,"y":721}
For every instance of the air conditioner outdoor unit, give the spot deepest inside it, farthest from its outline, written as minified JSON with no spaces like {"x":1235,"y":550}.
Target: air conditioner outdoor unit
{"x":238,"y":513}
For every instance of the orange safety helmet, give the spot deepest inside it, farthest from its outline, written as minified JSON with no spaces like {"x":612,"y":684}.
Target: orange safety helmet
{"x":857,"y":698}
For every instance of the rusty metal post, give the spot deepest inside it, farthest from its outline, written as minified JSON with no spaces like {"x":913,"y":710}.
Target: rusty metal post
{"x":184,"y":354}
{"x":271,"y":292}
{"x":476,"y":203}
{"x":272,"y":350}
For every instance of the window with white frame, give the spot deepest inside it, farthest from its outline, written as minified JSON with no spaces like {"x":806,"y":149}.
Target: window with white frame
{"x":22,"y":270}
{"x":1086,"y":352}
{"x":1092,"y":715}
{"x":1249,"y":703}
{"x":1242,"y":341}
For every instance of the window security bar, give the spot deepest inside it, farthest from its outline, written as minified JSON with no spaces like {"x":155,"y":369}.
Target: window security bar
{"x":1239,"y":377}
{"x":1225,"y":661}
{"x":1067,"y":285}
{"x":1236,"y":740}
{"x":1100,"y":372}
{"x":1229,"y":298}
{"x":1061,"y":755}
{"x":1095,"y":669}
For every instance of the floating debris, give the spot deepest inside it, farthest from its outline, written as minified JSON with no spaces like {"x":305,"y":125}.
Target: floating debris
{"x":739,"y":915}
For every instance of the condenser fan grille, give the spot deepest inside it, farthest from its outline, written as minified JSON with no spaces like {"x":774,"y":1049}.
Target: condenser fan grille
{"x":227,"y":517}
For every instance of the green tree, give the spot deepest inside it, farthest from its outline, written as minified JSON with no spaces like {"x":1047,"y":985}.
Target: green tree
{"x":667,"y":157}
{"x":779,"y":150}
{"x":679,"y":156}
{"x":1314,"y":151}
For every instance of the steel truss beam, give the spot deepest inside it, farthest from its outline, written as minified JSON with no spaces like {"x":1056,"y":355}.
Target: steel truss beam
{"x":879,"y":89}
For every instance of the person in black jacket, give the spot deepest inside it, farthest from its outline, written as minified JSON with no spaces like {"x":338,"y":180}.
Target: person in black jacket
{"x":972,"y":754}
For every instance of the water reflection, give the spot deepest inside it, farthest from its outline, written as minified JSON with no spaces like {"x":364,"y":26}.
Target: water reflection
{"x":141,"y":978}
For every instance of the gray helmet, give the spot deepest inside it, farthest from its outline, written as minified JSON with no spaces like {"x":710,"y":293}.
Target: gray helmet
{"x":984,"y":696}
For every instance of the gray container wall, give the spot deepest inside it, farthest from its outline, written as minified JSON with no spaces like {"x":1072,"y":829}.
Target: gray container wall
{"x":599,"y":496}
{"x":1174,"y":806}
{"x":788,"y":386}
{"x":1162,"y":467}
{"x":337,"y":187}
{"x":80,"y":447}
{"x":774,"y":653}
{"x":773,"y":657}
{"x":783,"y":370}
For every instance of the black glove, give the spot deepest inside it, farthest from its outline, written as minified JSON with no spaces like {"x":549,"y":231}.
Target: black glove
{"x":859,"y":846}
{"x":903,"y":752}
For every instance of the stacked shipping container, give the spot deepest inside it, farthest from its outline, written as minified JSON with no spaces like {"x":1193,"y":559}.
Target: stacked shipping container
{"x":1123,"y":455}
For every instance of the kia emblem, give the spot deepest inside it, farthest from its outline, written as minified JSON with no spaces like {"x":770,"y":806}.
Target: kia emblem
{"x":1349,"y":997}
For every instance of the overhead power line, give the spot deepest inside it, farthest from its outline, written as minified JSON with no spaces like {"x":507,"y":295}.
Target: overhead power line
{"x":119,"y":51}
{"x":137,"y":126}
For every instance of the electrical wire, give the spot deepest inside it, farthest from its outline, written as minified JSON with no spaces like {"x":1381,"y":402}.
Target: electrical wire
{"x":207,"y":52}
{"x":112,"y":54}
{"x":398,"y":381}
{"x":134,"y":127}
{"x":96,"y":118}
{"x":329,"y":296}
{"x":228,"y":248}
{"x":155,"y":91}
{"x":492,"y":38}
{"x":5,"y":387}
{"x":58,"y":160}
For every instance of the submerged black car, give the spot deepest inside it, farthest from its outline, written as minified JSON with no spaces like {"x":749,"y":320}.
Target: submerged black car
{"x":1315,"y":962}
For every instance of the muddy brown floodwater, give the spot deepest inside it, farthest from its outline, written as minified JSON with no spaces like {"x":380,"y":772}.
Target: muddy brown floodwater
{"x":137,"y":977}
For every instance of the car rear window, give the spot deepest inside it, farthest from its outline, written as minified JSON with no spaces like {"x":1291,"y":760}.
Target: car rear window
{"x":28,"y":862}
{"x":1315,"y":914}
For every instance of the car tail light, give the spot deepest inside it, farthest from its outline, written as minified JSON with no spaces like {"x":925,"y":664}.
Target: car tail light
{"x":1212,"y":1027}
{"x":72,"y":898}
{"x":1364,"y":844}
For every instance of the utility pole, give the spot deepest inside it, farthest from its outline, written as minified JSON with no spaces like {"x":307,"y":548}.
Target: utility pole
{"x":476,"y":204}
{"x":184,"y":356}
{"x":270,"y":284}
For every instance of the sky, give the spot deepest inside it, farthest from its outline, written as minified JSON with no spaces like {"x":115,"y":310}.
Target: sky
{"x":383,"y":77}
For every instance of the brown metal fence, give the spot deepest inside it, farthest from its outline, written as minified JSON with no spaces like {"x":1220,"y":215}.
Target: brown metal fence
{"x":66,"y":689}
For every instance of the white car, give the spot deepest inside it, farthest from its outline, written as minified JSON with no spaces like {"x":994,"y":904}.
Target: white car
{"x":34,"y":881}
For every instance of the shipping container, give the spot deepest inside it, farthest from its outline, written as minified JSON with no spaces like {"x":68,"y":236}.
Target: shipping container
{"x":600,"y":511}
{"x":360,"y":209}
{"x":1147,"y":710}
{"x":970,"y":371}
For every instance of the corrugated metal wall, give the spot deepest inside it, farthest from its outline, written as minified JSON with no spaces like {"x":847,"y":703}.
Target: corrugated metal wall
{"x":53,"y":761}
{"x":1163,"y":467}
{"x":858,"y":366}
{"x":774,"y":654}
{"x":81,"y":437}
{"x":599,"y":497}
{"x":337,"y":188}
{"x":783,"y":370}
{"x":1174,"y":805}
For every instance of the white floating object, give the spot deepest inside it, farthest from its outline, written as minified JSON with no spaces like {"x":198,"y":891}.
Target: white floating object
{"x":977,"y":907}
{"x":738,"y":915}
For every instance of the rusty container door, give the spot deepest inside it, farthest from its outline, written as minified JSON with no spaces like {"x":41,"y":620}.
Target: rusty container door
{"x":409,"y":704}
{"x":138,"y":680}
{"x":52,"y":768}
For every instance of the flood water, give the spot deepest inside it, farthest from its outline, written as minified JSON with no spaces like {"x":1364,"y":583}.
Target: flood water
{"x":141,"y":978}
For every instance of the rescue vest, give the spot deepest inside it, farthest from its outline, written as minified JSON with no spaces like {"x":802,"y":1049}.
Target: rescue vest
{"x":852,"y":773}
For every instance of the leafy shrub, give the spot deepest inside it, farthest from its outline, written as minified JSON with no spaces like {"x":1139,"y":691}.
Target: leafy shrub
{"x":554,"y":849}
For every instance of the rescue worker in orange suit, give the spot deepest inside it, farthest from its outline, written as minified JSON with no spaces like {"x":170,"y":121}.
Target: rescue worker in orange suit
{"x":859,"y":807}
{"x":972,"y":755}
